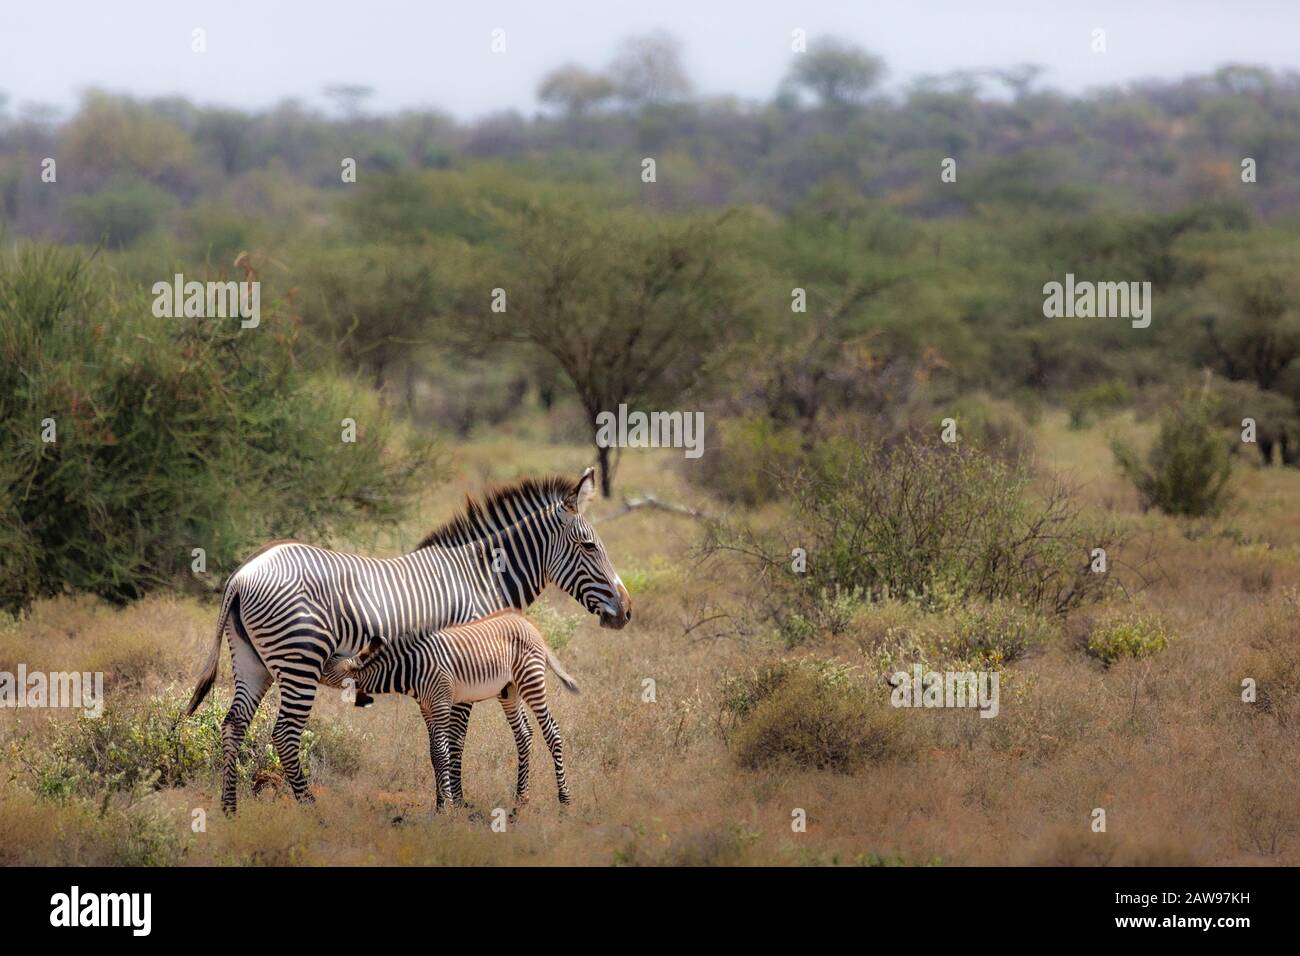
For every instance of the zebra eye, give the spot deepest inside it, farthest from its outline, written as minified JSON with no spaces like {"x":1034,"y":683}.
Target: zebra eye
{"x":588,"y":545}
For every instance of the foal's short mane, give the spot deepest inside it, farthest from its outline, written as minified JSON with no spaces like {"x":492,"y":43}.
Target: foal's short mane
{"x":499,"y":508}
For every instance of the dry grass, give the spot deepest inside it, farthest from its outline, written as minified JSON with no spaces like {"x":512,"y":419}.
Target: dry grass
{"x":1186,"y":771}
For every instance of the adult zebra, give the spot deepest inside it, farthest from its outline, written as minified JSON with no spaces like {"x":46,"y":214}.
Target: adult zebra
{"x":291,"y":606}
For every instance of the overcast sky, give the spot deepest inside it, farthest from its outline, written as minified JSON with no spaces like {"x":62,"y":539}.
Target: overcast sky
{"x":438,"y":53}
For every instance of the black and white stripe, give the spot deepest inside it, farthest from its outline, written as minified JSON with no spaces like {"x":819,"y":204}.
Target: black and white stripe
{"x":502,"y":656}
{"x":292,"y":607}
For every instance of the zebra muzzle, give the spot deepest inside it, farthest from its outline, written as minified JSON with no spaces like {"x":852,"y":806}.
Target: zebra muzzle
{"x":616,"y":618}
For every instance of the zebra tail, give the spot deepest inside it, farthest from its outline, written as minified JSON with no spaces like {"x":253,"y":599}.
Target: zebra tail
{"x":209,"y":675}
{"x":569,"y":683}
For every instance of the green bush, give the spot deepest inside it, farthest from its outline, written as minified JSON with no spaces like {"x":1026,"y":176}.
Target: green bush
{"x":1277,"y":420}
{"x":140,"y":746}
{"x":1187,"y":470}
{"x":921,"y":522}
{"x":832,"y":612}
{"x":1136,"y":636}
{"x":121,"y":213}
{"x":657,"y":575}
{"x":994,"y":427}
{"x":811,"y":714}
{"x":949,"y":635}
{"x":147,"y":836}
{"x":557,"y":627}
{"x":215,"y":232}
{"x":146,"y":745}
{"x":988,"y":635}
{"x":752,"y":456}
{"x":170,"y":435}
{"x":369,"y":304}
{"x":1098,"y":401}
{"x":464,"y":393}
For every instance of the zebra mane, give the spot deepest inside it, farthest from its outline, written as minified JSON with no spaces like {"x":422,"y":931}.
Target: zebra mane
{"x":499,"y":508}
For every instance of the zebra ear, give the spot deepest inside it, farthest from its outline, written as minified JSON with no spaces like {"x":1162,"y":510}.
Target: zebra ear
{"x":583,"y":491}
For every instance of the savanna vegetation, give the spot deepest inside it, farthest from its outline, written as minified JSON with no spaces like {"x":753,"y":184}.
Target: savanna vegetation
{"x":905,"y":461}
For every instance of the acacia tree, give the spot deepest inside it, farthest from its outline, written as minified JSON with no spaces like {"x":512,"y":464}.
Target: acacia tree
{"x":373,"y":305}
{"x":1257,"y":334}
{"x":839,"y":74}
{"x":648,"y":70}
{"x":574,"y":90}
{"x":631,"y":307}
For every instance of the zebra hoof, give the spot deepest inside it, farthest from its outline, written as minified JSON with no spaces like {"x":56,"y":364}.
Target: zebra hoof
{"x":363,"y":699}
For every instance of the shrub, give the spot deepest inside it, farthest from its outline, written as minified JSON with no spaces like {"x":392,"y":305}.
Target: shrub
{"x":143,"y":745}
{"x":1187,"y":471}
{"x":948,"y":635}
{"x":1097,"y":401}
{"x":811,"y":714}
{"x":171,"y":434}
{"x":557,"y":626}
{"x":832,"y":612}
{"x":1277,"y":419}
{"x":146,"y":745}
{"x":643,"y":579}
{"x":990,"y":634}
{"x":924,"y":523}
{"x":747,"y":466}
{"x":119,"y":214}
{"x":370,"y":305}
{"x":742,"y":693}
{"x":1136,"y":636}
{"x":995,"y":427}
{"x":1278,"y":683}
{"x":466,"y":393}
{"x":147,"y":837}
{"x":214,"y":231}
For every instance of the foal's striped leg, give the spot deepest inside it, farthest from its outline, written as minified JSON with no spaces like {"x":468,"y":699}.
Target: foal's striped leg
{"x":533,"y":692}
{"x":517,"y":717}
{"x":437,"y":719}
{"x":456,"y":747}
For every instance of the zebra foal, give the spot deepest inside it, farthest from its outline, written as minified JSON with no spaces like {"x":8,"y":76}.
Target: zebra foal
{"x":502,"y":655}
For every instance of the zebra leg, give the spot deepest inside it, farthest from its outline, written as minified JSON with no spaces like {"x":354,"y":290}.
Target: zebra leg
{"x":517,"y":717}
{"x":252,"y":681}
{"x":456,"y":747}
{"x":250,"y":688}
{"x":535,"y":697}
{"x":297,"y":694}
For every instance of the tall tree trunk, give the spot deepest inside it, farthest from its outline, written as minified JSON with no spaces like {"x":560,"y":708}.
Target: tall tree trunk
{"x":606,"y":474}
